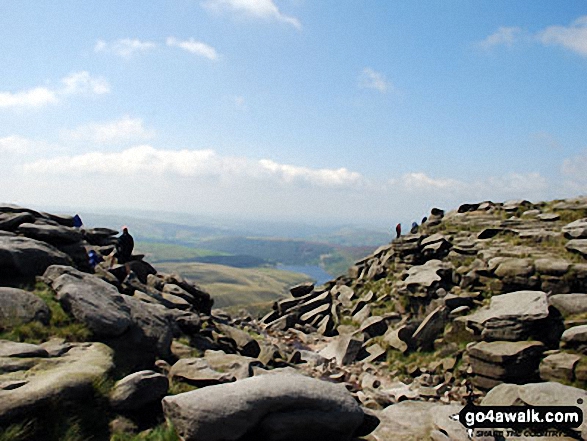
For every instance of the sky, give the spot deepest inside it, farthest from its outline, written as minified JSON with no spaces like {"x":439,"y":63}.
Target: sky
{"x":368,"y":112}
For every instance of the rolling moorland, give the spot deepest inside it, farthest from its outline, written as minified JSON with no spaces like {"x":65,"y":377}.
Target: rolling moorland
{"x":484,"y":304}
{"x":238,"y":262}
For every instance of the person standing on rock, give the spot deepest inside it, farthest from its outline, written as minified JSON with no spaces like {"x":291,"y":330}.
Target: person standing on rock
{"x":124,"y":247}
{"x":398,"y":230}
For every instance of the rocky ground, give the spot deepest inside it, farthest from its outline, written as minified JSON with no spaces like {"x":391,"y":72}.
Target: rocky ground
{"x":487,"y":303}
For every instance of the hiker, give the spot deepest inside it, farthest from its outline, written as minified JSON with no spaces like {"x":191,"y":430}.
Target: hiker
{"x":398,"y":230}
{"x":424,"y":219}
{"x":124,"y":247}
{"x":94,"y":259}
{"x":414,"y":228}
{"x":77,"y":221}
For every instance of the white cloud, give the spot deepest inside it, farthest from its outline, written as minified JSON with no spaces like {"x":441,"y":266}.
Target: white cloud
{"x":125,"y":47}
{"x":572,"y":37}
{"x":321,"y":177}
{"x":419,"y":180}
{"x":265,"y":9}
{"x":83,"y":83}
{"x":504,"y":36}
{"x":370,"y":79}
{"x":37,"y":97}
{"x":15,"y":144}
{"x":113,"y":132}
{"x":74,"y":84}
{"x":146,"y":159}
{"x":194,"y":47}
{"x":574,"y":173}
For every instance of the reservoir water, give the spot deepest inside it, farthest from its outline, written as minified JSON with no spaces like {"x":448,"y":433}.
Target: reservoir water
{"x":315,"y":272}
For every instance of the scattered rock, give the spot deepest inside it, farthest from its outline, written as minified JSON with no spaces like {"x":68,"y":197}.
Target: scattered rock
{"x":137,"y":390}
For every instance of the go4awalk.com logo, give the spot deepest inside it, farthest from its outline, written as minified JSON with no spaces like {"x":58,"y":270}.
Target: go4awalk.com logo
{"x":521,"y":420}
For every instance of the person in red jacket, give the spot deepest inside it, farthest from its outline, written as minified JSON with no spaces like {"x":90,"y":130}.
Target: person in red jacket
{"x":398,"y":230}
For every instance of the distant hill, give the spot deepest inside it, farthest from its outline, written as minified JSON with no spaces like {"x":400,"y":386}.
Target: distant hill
{"x":231,"y":286}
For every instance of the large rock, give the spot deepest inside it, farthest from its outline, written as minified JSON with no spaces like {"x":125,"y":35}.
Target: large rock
{"x":90,"y":300}
{"x":274,"y":407}
{"x":21,"y":350}
{"x":425,"y":279}
{"x":19,"y":306}
{"x":53,"y":380}
{"x":149,"y":334}
{"x":24,"y":257}
{"x":419,"y":420}
{"x":430,"y":328}
{"x":343,"y":348}
{"x":214,"y":368}
{"x":575,"y":336}
{"x":569,"y":304}
{"x":11,"y":221}
{"x":559,"y":367}
{"x":244,"y":342}
{"x":577,"y":246}
{"x":137,"y":390}
{"x":53,"y":234}
{"x":539,"y":394}
{"x":504,"y":361}
{"x":510,"y":316}
{"x":576,"y":229}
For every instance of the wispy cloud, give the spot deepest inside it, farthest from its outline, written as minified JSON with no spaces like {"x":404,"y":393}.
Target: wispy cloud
{"x":573,"y":171}
{"x":15,"y":144}
{"x":125,"y":129}
{"x":504,"y":36}
{"x":370,"y":79}
{"x":192,"y":163}
{"x":77,"y":83}
{"x":194,"y":47}
{"x":572,"y":37}
{"x":125,"y":47}
{"x":83,"y":83}
{"x":265,"y":9}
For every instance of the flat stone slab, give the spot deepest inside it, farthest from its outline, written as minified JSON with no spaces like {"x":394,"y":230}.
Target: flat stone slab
{"x":21,"y":350}
{"x":44,"y":380}
{"x":510,"y":313}
{"x":575,"y":335}
{"x":419,"y":420}
{"x":569,"y":304}
{"x":577,"y":246}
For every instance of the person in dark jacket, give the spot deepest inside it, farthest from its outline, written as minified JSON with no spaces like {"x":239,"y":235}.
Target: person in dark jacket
{"x":124,"y":246}
{"x":398,"y":230}
{"x":123,"y":251}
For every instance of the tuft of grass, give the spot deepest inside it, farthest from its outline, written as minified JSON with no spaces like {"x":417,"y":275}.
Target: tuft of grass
{"x":163,"y":432}
{"x":61,"y":324}
{"x":16,"y":432}
{"x":179,"y":387}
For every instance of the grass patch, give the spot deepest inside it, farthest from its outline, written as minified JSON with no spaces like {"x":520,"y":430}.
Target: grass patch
{"x":61,"y":324}
{"x":163,"y":432}
{"x":241,"y":287}
{"x":16,"y":432}
{"x":179,"y":387}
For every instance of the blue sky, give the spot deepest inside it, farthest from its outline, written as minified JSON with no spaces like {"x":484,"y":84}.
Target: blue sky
{"x":341,"y":111}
